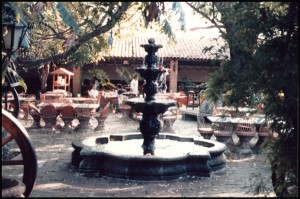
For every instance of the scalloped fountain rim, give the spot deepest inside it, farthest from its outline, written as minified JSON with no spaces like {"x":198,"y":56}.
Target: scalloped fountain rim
{"x":90,"y":157}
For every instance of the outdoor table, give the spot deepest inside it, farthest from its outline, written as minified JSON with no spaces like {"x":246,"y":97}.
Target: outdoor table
{"x":53,"y":97}
{"x":130,"y":94}
{"x":24,"y":104}
{"x":75,"y":105}
{"x":215,"y":119}
{"x":162,"y":95}
{"x":54,"y":94}
{"x":245,"y":137}
{"x":22,"y":100}
{"x":180,"y":99}
{"x":257,"y":121}
{"x":233,"y":110}
{"x":80,"y":100}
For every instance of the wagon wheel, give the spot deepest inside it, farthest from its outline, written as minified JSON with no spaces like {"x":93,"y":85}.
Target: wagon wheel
{"x":12,"y":103}
{"x":17,"y":137}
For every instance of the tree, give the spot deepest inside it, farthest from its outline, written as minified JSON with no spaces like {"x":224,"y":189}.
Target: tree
{"x":263,"y":42}
{"x":76,"y":33}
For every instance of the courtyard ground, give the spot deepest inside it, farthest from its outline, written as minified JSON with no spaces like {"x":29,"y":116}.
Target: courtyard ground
{"x":58,"y":178}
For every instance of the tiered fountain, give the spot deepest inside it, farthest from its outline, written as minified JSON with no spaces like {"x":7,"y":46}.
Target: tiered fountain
{"x":170,"y":157}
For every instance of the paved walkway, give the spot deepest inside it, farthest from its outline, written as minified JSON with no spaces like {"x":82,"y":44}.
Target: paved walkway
{"x":58,"y":178}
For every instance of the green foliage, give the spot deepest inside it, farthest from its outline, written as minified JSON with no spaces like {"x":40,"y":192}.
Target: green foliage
{"x":103,"y":76}
{"x":167,"y":29}
{"x":4,"y":67}
{"x":176,"y":6}
{"x":67,"y":17}
{"x":125,"y":74}
{"x":259,"y":184}
{"x":263,"y":42}
{"x":185,"y":81}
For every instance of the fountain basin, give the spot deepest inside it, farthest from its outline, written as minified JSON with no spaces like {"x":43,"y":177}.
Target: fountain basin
{"x":121,"y":156}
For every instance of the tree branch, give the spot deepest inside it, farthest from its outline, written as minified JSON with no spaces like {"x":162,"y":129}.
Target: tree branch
{"x":205,"y":16}
{"x":98,"y":31}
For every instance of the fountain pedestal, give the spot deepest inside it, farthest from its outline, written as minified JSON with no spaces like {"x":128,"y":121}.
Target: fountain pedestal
{"x":150,"y":126}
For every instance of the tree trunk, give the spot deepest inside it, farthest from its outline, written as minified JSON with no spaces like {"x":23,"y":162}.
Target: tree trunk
{"x":44,"y":73}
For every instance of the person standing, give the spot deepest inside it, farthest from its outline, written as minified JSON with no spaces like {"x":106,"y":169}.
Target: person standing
{"x":120,"y":97}
{"x":134,"y":84}
{"x":96,"y":81}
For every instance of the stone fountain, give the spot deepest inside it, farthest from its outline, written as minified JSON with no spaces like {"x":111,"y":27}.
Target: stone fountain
{"x":172,"y":156}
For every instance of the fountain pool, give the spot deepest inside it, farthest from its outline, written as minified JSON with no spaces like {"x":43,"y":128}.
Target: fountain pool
{"x":121,"y":156}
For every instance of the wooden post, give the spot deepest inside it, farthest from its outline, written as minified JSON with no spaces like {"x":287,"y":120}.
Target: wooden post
{"x":76,"y":80}
{"x":173,"y":75}
{"x":68,"y":82}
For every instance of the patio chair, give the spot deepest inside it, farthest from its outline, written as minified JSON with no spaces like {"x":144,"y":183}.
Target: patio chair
{"x":102,"y":101}
{"x":206,"y":108}
{"x":68,"y":114}
{"x":36,"y":115}
{"x":193,"y":97}
{"x":245,"y":130}
{"x":24,"y":105}
{"x":203,"y":127}
{"x":102,"y":117}
{"x":223,"y":129}
{"x":124,"y":109}
{"x":49,"y":114}
{"x":262,"y":133}
{"x":168,"y":118}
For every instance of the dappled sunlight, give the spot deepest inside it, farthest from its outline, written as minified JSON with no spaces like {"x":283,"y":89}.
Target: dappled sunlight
{"x":252,"y":158}
{"x":51,"y":147}
{"x":240,"y":194}
{"x":58,"y":185}
{"x":51,"y":186}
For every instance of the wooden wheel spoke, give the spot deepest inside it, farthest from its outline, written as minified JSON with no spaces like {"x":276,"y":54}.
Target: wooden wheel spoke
{"x":7,"y":140}
{"x":12,"y":162}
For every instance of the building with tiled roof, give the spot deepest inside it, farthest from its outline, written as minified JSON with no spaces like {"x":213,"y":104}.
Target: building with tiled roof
{"x":186,"y":58}
{"x":186,"y":48}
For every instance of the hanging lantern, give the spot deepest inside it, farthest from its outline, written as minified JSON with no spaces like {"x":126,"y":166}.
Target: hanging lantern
{"x":110,"y":39}
{"x":14,"y":35}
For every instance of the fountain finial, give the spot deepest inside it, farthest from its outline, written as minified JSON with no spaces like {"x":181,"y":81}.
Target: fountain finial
{"x":151,"y":41}
{"x":151,"y":49}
